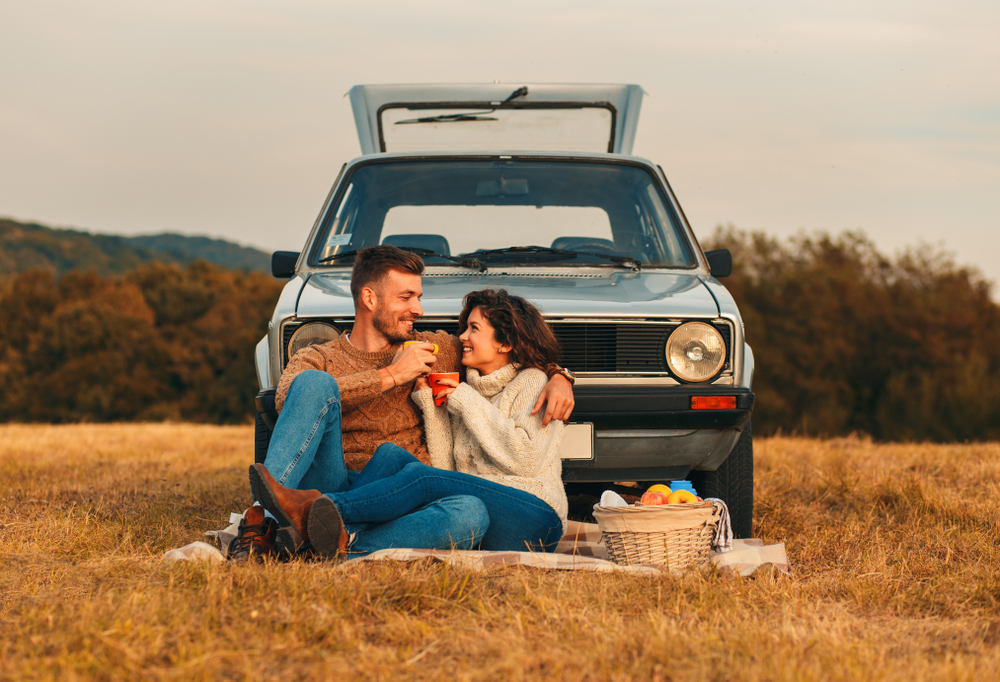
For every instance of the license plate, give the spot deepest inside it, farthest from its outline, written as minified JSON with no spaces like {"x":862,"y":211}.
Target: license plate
{"x":578,"y":441}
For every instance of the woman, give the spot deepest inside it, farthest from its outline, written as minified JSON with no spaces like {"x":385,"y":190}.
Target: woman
{"x":483,"y":442}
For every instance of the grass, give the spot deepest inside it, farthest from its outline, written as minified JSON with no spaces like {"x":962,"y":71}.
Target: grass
{"x":894,"y":550}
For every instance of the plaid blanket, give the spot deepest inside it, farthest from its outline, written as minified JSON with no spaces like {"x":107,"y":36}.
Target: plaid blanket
{"x":580,"y":549}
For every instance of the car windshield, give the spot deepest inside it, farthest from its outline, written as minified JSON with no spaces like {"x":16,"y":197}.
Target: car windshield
{"x":484,"y":212}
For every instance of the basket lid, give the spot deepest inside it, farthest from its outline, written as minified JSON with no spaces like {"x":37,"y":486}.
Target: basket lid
{"x":653,"y":519}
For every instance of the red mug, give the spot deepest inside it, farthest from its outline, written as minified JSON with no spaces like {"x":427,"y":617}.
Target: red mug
{"x":433,"y":378}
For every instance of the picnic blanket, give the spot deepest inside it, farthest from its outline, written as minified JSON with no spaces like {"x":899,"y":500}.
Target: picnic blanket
{"x":580,"y":549}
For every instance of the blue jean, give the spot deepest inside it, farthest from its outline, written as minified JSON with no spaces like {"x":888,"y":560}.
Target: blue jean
{"x":306,"y":452}
{"x":399,"y":484}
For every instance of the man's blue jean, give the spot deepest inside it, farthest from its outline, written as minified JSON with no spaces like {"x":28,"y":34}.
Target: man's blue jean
{"x":306,"y":452}
{"x":399,"y":484}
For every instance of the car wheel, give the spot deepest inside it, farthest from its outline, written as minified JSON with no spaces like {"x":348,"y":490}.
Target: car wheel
{"x":261,"y":439}
{"x":732,"y":483}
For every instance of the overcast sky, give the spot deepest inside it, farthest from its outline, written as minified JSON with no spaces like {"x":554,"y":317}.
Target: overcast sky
{"x":227,"y":118}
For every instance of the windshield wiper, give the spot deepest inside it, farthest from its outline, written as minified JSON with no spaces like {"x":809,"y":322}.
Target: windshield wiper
{"x":452,"y":118}
{"x":468,"y":116}
{"x":428,"y":253}
{"x":545,"y":250}
{"x":337,"y":256}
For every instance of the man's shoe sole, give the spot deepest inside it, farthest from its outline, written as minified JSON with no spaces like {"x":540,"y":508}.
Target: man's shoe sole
{"x":325,"y":527}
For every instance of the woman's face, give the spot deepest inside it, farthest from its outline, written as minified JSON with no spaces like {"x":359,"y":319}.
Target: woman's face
{"x":480,"y":349}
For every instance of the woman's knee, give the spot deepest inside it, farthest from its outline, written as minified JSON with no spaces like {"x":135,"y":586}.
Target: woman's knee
{"x":392,"y":452}
{"x":391,"y":449}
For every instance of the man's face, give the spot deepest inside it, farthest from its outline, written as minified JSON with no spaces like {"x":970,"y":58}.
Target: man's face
{"x":397,"y":305}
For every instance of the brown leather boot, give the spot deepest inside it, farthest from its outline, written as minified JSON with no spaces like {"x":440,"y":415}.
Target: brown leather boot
{"x":255,"y":537}
{"x":290,"y":506}
{"x":327,"y":534}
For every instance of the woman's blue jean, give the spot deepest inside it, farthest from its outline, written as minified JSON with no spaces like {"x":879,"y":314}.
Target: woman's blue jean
{"x":398,"y":483}
{"x":306,"y":452}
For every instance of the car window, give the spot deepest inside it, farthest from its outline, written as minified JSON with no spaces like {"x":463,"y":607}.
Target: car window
{"x":579,"y":129}
{"x":460,"y":207}
{"x":468,"y":228}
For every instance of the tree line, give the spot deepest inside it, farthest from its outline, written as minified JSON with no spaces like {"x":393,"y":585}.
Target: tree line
{"x":159,"y":342}
{"x":845,"y":339}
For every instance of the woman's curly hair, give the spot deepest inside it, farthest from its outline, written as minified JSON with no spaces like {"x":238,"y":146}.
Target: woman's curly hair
{"x":516,"y":323}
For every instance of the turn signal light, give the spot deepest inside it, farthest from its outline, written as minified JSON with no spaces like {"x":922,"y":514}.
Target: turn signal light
{"x":713,"y":402}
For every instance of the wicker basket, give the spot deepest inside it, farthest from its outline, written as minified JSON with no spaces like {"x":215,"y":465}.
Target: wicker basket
{"x":674,"y":536}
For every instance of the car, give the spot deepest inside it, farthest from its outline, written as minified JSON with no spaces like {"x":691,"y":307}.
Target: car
{"x":533,"y":188}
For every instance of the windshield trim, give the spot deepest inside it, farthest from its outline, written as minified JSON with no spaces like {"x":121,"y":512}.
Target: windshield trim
{"x":513,"y":104}
{"x":343,"y":182}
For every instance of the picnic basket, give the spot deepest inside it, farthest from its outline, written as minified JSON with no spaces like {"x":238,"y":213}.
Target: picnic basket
{"x":674,"y":536}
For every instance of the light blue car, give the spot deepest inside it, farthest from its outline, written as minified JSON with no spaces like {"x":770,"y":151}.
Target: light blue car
{"x":533,"y":188}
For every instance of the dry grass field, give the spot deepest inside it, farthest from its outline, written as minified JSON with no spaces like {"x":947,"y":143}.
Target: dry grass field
{"x":894,"y":550}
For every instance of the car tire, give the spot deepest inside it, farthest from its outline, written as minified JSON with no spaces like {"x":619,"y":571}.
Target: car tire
{"x":732,"y":483}
{"x":261,"y":439}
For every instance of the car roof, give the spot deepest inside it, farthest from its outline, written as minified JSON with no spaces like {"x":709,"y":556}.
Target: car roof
{"x":596,"y":157}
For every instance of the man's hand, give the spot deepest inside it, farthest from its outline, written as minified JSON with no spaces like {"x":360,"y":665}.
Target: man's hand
{"x":558,"y":393}
{"x":411,"y":362}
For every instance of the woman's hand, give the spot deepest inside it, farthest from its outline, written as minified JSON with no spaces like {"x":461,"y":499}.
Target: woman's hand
{"x":421,"y":383}
{"x":449,"y":387}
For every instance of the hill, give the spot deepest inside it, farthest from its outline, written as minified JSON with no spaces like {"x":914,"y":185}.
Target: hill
{"x":24,"y":246}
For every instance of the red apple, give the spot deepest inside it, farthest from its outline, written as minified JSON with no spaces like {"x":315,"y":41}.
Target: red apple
{"x":652,"y":498}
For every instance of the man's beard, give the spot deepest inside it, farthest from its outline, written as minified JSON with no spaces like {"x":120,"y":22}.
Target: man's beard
{"x":388,"y":326}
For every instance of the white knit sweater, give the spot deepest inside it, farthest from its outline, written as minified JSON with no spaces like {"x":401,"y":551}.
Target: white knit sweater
{"x":486,"y":429}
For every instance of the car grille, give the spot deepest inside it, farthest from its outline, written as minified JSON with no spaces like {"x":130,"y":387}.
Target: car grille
{"x":590,"y":347}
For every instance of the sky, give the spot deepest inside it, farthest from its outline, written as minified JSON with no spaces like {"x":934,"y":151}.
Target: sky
{"x":228,"y":118}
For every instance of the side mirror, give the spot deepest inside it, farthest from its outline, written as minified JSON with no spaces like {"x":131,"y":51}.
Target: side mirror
{"x":720,"y":262}
{"x":283,"y":263}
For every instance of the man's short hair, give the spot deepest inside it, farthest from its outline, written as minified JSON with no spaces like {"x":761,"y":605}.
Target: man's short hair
{"x":373,"y":263}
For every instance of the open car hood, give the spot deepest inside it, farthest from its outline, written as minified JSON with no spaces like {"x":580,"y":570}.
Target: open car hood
{"x":496,"y":116}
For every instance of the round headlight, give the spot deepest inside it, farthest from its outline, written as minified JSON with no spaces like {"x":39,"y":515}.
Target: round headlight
{"x":311,"y":334}
{"x":696,"y":351}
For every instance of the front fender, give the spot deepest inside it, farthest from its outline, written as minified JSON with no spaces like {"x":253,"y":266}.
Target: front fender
{"x":262,"y":359}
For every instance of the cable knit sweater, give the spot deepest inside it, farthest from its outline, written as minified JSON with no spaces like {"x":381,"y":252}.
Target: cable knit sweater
{"x":369,"y":416}
{"x":486,"y":429}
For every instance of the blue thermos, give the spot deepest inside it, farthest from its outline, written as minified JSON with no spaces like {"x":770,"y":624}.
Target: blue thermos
{"x":682,"y":485}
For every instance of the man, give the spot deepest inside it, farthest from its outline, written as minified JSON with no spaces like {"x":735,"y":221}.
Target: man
{"x":339,"y":401}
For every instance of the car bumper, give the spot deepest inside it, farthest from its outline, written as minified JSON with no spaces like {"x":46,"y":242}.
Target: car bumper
{"x":652,"y":433}
{"x":655,"y":407}
{"x":265,"y":407}
{"x":640,"y":433}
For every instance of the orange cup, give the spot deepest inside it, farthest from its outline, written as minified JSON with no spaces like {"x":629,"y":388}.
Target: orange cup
{"x":434,"y":352}
{"x":433,"y":378}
